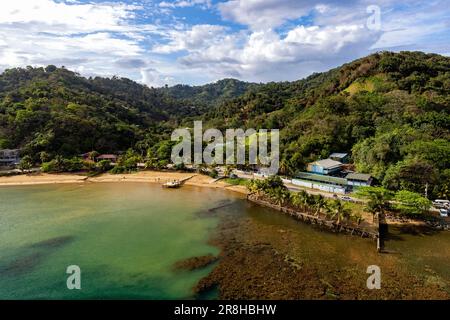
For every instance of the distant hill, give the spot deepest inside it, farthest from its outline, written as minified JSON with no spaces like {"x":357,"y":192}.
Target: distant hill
{"x":390,"y":111}
{"x":210,"y":94}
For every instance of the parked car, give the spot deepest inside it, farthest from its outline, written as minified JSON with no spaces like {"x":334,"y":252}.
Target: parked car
{"x":443,"y":213}
{"x":346,"y":198}
{"x":438,"y":203}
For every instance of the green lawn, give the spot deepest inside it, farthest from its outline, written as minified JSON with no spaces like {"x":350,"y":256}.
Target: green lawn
{"x":237,"y":181}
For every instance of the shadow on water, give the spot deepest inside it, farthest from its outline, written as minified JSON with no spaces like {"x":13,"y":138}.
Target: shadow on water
{"x":53,"y":242}
{"x":220,"y":205}
{"x":31,"y":256}
{"x":211,"y":293}
{"x":397,"y":232}
{"x":400,"y":233}
{"x":417,"y":230}
{"x":21,"y":265}
{"x":102,"y":282}
{"x":217,"y":208}
{"x":393,"y":237}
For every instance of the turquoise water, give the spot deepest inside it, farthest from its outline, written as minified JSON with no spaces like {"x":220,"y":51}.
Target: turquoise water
{"x":124,"y":237}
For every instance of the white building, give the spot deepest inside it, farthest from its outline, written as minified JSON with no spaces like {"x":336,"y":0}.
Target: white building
{"x":9,"y":157}
{"x":359,"y":179}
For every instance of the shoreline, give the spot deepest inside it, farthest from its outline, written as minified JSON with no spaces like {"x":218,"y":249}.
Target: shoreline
{"x":155,"y":177}
{"x":149,"y":176}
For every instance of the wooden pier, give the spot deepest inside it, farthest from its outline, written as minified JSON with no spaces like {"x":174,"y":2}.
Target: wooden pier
{"x":176,"y":183}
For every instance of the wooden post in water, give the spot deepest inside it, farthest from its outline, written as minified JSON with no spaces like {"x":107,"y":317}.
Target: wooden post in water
{"x":382,"y":232}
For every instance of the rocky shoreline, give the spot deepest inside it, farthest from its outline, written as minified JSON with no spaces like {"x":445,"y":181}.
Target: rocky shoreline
{"x":262,"y":261}
{"x":437,"y":224}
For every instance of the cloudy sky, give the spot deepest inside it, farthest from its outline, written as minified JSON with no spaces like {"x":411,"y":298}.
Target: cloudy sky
{"x":160,"y":42}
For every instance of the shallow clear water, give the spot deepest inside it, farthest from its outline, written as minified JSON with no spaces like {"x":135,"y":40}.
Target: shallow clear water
{"x":126,"y":237}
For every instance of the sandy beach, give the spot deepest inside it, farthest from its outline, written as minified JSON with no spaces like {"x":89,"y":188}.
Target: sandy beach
{"x":159,"y":177}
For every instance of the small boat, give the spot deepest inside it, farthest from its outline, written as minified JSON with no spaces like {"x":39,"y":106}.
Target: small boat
{"x":172,"y":184}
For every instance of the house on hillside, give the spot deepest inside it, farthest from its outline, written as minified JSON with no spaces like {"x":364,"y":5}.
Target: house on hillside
{"x":326,"y":167}
{"x":341,"y":157}
{"x":9,"y":157}
{"x":359,"y":179}
{"x":111,"y":157}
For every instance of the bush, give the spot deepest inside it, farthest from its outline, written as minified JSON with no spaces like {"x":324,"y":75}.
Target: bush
{"x":411,"y":203}
{"x":118,"y":170}
{"x":162,"y":164}
{"x":72,"y":165}
{"x":103,"y":166}
{"x":26,"y":163}
{"x":60,"y":164}
{"x":49,"y":166}
{"x":180,"y":166}
{"x":213,"y":173}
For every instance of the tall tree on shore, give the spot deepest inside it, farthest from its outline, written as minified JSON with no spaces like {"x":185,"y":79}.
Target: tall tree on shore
{"x":378,"y":200}
{"x":319,"y":204}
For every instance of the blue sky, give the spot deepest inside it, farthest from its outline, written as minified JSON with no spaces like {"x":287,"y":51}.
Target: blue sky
{"x":160,"y":42}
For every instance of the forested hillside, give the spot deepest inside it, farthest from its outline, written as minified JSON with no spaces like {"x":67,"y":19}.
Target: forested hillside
{"x":391,"y":111}
{"x":58,"y":112}
{"x":210,"y":94}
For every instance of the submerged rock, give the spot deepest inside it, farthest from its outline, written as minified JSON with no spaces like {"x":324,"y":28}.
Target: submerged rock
{"x":195,"y":262}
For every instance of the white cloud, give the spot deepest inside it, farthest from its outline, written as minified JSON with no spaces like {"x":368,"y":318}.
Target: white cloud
{"x":153,"y":78}
{"x":266,"y":56}
{"x":195,"y":38}
{"x":186,"y":3}
{"x":95,"y":39}
{"x":62,"y":18}
{"x":280,"y":40}
{"x":264,"y":14}
{"x":417,"y":26}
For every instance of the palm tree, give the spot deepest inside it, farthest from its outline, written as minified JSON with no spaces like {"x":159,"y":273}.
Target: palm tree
{"x":277,"y":196}
{"x":378,"y":200}
{"x":357,"y":217}
{"x":280,"y":195}
{"x":297,"y":200}
{"x":304,"y":199}
{"x":319,"y":204}
{"x":373,"y":209}
{"x":286,"y":167}
{"x":310,"y":202}
{"x":252,"y":186}
{"x":287,"y":196}
{"x":338,"y":211}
